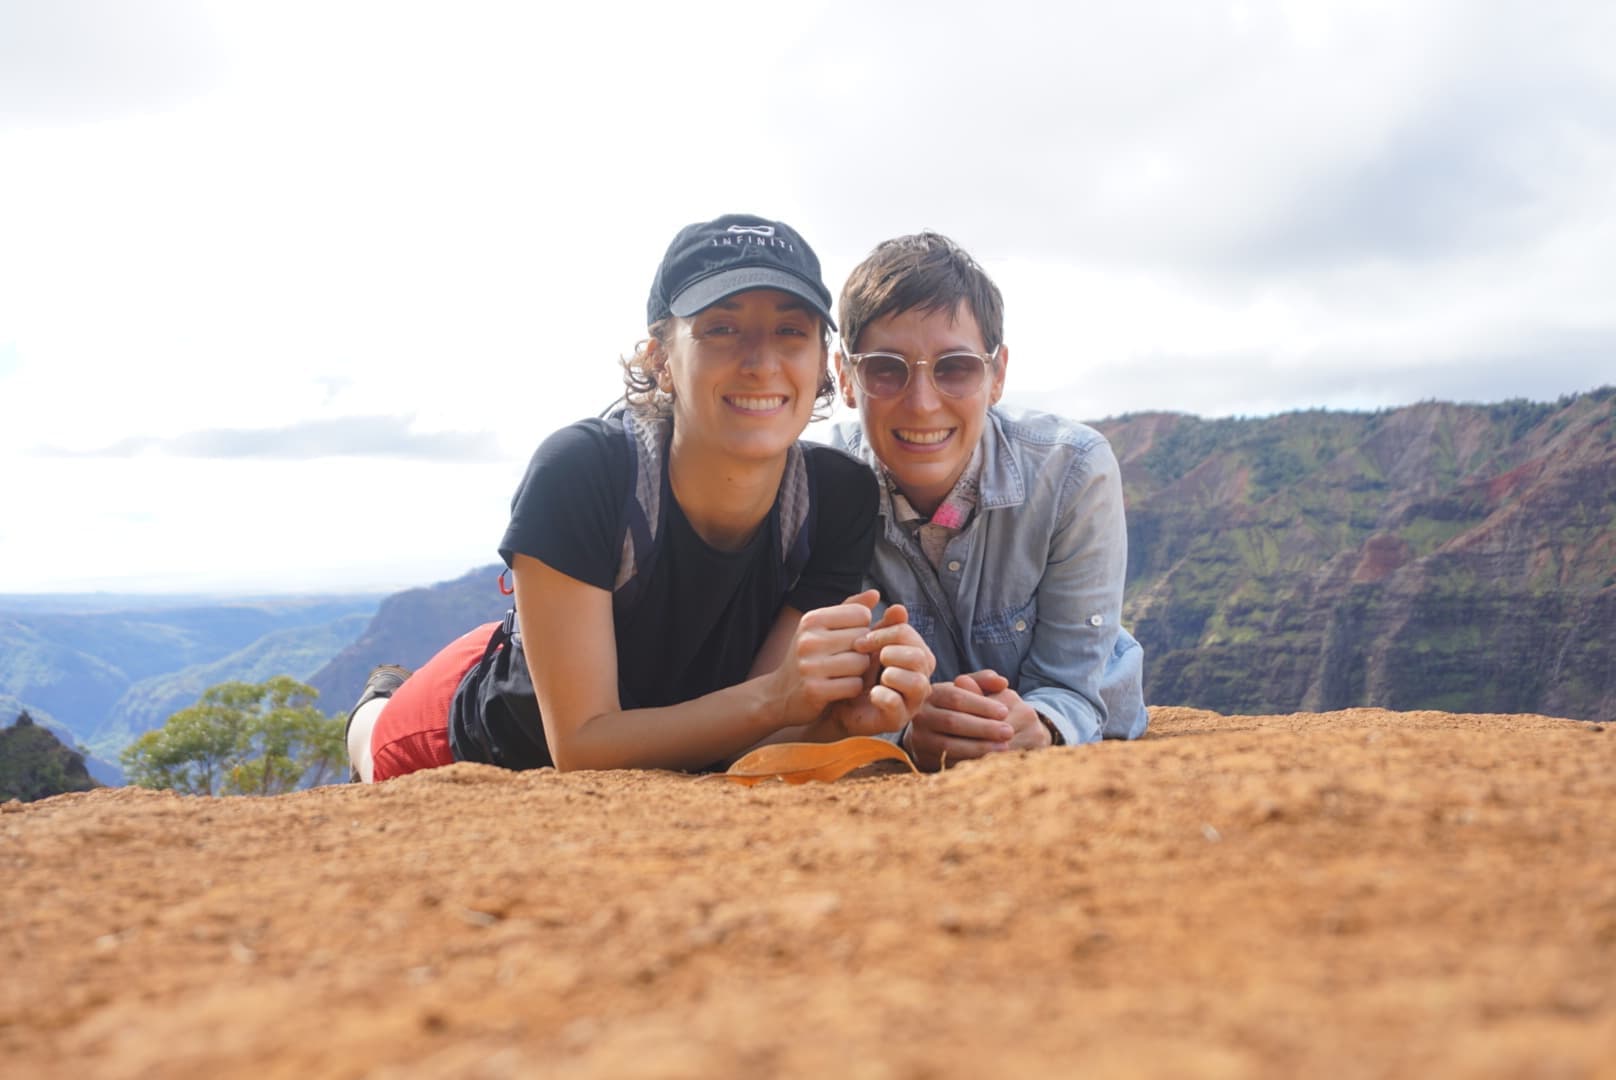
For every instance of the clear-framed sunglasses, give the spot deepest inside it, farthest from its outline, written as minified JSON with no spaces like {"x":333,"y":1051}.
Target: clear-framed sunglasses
{"x":957,"y":374}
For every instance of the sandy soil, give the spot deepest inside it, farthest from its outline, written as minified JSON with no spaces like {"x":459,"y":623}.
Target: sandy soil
{"x":1353,"y":894}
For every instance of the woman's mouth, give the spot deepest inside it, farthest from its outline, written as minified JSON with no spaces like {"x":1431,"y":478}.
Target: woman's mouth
{"x":756,"y":403}
{"x":919,"y":437}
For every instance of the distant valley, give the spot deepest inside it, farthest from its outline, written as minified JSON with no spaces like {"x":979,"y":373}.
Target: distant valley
{"x":101,"y":677}
{"x":98,"y":671}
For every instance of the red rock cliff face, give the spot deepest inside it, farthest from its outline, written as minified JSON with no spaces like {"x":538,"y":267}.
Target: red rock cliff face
{"x":1438,"y":556}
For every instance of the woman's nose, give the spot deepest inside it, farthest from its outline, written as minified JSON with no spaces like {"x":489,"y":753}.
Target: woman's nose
{"x":758,"y":349}
{"x":921,"y":393}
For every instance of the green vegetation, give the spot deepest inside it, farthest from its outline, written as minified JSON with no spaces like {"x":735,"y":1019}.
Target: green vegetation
{"x":299,"y":651}
{"x":241,"y":739}
{"x":35,"y":765}
{"x":1518,"y":416}
{"x":1426,"y":534}
{"x":1190,"y":442}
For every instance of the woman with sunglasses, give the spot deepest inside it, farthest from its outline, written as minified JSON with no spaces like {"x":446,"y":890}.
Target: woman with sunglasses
{"x":1003,"y":536}
{"x":682,"y":568}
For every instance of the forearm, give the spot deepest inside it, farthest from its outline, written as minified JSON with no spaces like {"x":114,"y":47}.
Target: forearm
{"x":1079,"y":603}
{"x":688,"y":736}
{"x":824,"y":729}
{"x":574,"y":672}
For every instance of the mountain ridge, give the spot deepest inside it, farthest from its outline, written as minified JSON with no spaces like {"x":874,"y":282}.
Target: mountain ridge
{"x":408,"y":628}
{"x":1437,"y":556}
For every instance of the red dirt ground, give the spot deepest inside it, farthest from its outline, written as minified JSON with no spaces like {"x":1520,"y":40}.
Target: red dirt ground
{"x":1353,"y":894}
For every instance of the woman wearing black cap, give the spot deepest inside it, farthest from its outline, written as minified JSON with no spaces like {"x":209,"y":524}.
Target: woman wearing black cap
{"x":664,"y":556}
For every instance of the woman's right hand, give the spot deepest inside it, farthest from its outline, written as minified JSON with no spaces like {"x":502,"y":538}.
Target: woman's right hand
{"x":821,"y":666}
{"x":896,"y":685}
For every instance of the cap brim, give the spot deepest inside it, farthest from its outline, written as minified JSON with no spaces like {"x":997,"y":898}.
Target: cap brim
{"x":710,"y":290}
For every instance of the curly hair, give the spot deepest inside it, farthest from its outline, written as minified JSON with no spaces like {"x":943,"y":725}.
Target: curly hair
{"x":640,"y":387}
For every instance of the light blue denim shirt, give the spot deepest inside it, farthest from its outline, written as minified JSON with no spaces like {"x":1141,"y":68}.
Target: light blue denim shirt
{"x":1032,"y":587}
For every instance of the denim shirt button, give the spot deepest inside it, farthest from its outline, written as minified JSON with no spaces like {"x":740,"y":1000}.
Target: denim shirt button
{"x":1021,"y":624}
{"x":1095,"y":620}
{"x":954,"y":565}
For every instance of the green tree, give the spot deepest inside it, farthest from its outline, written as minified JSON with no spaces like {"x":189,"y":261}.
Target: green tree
{"x":35,"y":765}
{"x":241,"y":739}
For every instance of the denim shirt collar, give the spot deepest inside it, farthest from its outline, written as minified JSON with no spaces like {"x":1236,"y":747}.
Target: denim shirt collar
{"x":1002,"y":482}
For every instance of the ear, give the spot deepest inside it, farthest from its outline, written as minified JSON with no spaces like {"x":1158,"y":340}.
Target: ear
{"x":844,"y":379}
{"x":999,"y":370}
{"x":658,"y":359}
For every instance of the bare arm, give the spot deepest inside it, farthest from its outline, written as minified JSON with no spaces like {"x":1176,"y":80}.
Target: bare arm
{"x":571,"y":648}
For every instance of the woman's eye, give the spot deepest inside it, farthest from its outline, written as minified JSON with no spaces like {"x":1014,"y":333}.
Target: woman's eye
{"x":718,"y":330}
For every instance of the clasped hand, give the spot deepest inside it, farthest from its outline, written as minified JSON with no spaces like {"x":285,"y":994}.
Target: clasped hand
{"x":846,"y":677}
{"x":975,"y":715}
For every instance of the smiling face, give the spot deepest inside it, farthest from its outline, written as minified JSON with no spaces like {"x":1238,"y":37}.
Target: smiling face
{"x":923,"y":437}
{"x":744,"y":374}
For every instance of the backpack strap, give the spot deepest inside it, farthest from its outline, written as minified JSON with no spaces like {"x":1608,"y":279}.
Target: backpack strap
{"x":649,"y":491}
{"x":642,"y":504}
{"x":797,"y":514}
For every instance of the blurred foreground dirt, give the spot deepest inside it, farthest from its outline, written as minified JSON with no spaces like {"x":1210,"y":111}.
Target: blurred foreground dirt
{"x":1354,"y":894}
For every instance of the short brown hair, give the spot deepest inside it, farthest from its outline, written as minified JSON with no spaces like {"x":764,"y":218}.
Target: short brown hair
{"x":926,"y":270}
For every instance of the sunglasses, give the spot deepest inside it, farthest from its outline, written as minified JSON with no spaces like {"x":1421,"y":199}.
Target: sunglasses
{"x":955,"y":374}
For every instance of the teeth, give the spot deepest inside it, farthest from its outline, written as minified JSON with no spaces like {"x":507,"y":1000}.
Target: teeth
{"x":758,"y":404}
{"x":923,"y":437}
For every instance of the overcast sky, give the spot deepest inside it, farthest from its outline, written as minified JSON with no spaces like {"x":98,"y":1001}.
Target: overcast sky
{"x":289,"y":292}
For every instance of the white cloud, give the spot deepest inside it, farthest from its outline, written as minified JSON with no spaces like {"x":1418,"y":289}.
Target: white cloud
{"x":143,"y":524}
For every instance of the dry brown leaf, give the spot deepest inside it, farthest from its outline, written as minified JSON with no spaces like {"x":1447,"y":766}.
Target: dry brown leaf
{"x":798,"y":762}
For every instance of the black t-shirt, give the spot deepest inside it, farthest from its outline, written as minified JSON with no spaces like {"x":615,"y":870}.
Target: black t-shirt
{"x":701,"y":614}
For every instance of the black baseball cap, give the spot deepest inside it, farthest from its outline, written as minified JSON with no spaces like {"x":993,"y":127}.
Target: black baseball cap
{"x":713,"y":259}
